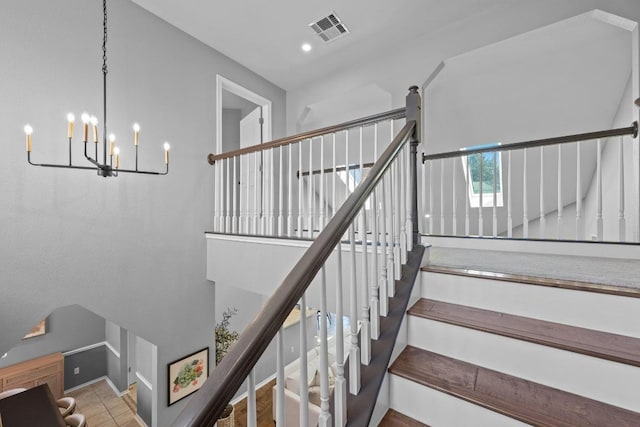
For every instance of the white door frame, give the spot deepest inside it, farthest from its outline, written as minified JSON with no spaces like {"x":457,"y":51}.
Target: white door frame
{"x":223,"y":83}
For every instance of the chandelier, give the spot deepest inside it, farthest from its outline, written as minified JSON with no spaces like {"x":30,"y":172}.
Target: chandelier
{"x":110,"y":165}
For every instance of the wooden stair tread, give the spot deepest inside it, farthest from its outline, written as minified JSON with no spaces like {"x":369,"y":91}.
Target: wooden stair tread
{"x":396,"y":419}
{"x":536,"y":280}
{"x":524,"y":400}
{"x":604,"y":345}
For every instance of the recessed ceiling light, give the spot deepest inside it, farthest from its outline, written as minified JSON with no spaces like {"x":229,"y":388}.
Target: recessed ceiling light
{"x":306,"y":47}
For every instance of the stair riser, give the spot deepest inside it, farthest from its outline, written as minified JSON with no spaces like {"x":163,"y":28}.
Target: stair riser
{"x":590,"y":310}
{"x":598,"y":379}
{"x":437,"y":409}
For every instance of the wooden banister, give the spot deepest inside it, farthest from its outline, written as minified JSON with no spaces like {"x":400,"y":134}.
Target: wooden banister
{"x":398,"y":113}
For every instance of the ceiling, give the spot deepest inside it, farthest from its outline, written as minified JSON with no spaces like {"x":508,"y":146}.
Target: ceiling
{"x":565,"y":78}
{"x":266,"y":36}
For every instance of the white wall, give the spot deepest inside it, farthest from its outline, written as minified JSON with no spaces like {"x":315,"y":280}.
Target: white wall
{"x":131,"y":249}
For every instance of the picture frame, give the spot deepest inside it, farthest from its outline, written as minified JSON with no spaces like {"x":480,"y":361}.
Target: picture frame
{"x":39,"y":329}
{"x":186,"y":375}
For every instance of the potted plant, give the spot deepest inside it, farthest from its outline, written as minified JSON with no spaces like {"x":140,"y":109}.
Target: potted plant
{"x":225,"y":338}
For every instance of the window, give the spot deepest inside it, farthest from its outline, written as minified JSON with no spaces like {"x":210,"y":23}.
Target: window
{"x":489,"y":166}
{"x":354,"y":177}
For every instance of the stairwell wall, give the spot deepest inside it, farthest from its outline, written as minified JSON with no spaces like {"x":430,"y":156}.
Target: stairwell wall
{"x":130,"y":249}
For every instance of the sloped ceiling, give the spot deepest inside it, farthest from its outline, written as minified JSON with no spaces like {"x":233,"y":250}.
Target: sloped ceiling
{"x":561,"y":79}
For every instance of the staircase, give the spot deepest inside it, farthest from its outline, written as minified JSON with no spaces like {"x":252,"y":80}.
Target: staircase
{"x":487,"y":349}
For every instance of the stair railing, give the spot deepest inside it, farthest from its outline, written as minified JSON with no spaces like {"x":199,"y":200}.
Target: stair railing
{"x":383,"y":183}
{"x":259,"y":191}
{"x":583,"y":183}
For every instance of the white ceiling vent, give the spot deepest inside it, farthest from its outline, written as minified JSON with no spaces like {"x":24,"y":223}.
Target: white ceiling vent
{"x":329,"y":27}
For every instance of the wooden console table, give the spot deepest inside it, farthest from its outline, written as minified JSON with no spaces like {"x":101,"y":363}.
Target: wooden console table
{"x":31,"y":373}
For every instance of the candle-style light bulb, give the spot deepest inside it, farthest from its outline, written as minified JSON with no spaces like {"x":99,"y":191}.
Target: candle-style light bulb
{"x":136,"y":133}
{"x":116,"y":152}
{"x":94,"y":124}
{"x":166,"y":153}
{"x":28,"y":130}
{"x":112,"y":141}
{"x":70,"y":119}
{"x":85,"y":126}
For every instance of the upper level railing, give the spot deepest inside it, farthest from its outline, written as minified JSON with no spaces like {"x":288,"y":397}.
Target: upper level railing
{"x":260,"y":191}
{"x":583,"y":183}
{"x":390,"y":191}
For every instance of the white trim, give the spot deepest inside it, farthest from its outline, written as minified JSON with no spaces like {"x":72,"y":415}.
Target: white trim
{"x":615,"y":20}
{"x":112,"y":349}
{"x":140,"y":420}
{"x":82,"y":349}
{"x":223,"y":83}
{"x":273,"y":241}
{"x":144,"y":381}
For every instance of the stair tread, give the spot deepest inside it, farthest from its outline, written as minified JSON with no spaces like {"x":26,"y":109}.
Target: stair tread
{"x":604,"y":345}
{"x":394,"y":418}
{"x":515,"y":397}
{"x":536,"y":280}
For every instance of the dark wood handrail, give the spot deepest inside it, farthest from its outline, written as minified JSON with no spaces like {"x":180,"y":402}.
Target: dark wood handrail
{"x":398,"y":113}
{"x":631,"y":130}
{"x":205,"y":406}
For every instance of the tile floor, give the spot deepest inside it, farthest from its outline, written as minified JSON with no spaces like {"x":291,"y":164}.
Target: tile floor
{"x":102,"y":407}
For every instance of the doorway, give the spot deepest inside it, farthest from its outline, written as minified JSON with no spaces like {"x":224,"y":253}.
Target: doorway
{"x":243,"y":119}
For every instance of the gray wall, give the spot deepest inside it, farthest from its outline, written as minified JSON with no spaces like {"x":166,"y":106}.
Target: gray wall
{"x":92,"y":364}
{"x":68,"y":328}
{"x":130,"y":249}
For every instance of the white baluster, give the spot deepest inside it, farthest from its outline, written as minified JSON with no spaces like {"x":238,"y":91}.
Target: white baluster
{"x":216,"y":196}
{"x":280,"y":412}
{"x":227,"y":197}
{"x":408,"y":193}
{"x":402,"y":185}
{"x":442,"y":197}
{"x":228,"y":190}
{"x":397,"y":259}
{"x":280,"y":231}
{"x":431,"y":163}
{"x":560,"y":203}
{"x":525,"y":213}
{"x":272,"y":220}
{"x":495,"y":197}
{"x":423,"y":201}
{"x":290,"y":194}
{"x":340,"y":390}
{"x":334,"y":206}
{"x":354,"y":350}
{"x":365,"y":324}
{"x":384,"y":287}
{"x":375,"y":279}
{"x":324,"y":420}
{"x":468,"y":192}
{"x":579,"y":233}
{"x":311,"y":191}
{"x":454,"y":196}
{"x":391,"y":284}
{"x":621,"y":220}
{"x":543,"y":221}
{"x":321,"y":219}
{"x":481,"y":193}
{"x":256,"y":207}
{"x":599,"y":227}
{"x":234,"y":217}
{"x":247,"y":190}
{"x":300,"y":182}
{"x":251,"y":400}
{"x":304,"y":397}
{"x":509,"y":215}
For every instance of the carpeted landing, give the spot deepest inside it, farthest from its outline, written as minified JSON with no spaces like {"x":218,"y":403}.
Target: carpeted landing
{"x":609,"y":271}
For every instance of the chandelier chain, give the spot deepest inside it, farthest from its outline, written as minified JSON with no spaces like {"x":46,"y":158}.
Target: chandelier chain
{"x":104,"y":38}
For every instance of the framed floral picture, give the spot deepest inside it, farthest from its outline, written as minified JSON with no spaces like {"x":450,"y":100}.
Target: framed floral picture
{"x":186,"y":375}
{"x":39,"y":329}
